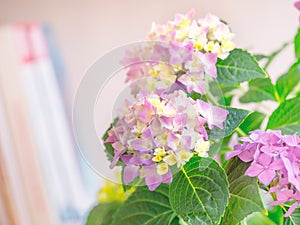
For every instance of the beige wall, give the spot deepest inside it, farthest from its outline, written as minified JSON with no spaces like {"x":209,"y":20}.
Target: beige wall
{"x":88,"y":29}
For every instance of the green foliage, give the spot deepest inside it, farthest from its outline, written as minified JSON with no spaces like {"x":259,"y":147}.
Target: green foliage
{"x":233,"y":120}
{"x":244,"y":193}
{"x":102,"y":214}
{"x":259,"y":218}
{"x":147,"y":207}
{"x":252,"y":122}
{"x":293,"y":219}
{"x":238,"y":67}
{"x":274,"y":54}
{"x":276,"y":215}
{"x":260,"y":89}
{"x":199,"y":192}
{"x":287,"y":82}
{"x":297,"y":44}
{"x":286,"y":117}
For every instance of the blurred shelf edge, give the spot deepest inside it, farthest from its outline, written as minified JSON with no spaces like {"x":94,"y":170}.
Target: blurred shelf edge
{"x":42,"y":177}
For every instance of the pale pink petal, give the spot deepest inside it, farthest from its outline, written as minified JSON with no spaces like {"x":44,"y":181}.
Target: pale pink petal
{"x":246,"y":156}
{"x":297,"y":5}
{"x":215,"y":115}
{"x":130,"y":173}
{"x":291,"y":209}
{"x":232,"y":154}
{"x":254,"y":170}
{"x":291,"y":140}
{"x":266,"y":176}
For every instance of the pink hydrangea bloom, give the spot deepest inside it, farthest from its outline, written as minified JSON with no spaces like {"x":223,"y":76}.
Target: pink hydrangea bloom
{"x":190,"y":46}
{"x":275,"y":160}
{"x":297,"y":5}
{"x":157,"y":132}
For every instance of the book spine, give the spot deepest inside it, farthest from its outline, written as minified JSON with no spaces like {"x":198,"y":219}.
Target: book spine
{"x":61,"y":134}
{"x":38,"y":112}
{"x":18,"y":119}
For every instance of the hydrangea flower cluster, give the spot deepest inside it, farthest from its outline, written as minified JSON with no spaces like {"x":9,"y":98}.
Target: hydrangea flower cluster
{"x":275,"y":160}
{"x":207,"y":35}
{"x":193,"y":47}
{"x":157,"y":132}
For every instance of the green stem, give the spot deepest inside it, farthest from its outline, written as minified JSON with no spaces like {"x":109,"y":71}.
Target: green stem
{"x":241,"y":132}
{"x":274,"y":54}
{"x":211,"y":98}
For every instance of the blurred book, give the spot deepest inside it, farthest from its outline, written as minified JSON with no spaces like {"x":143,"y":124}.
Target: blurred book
{"x":38,"y":159}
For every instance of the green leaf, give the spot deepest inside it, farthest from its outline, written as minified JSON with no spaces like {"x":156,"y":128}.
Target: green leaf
{"x":199,"y":192}
{"x":146,"y":207}
{"x":293,"y":219}
{"x":259,"y":218}
{"x":259,"y":57}
{"x":219,"y":146}
{"x":102,"y":214}
{"x":274,"y":55}
{"x":287,"y":82}
{"x":297,"y":44}
{"x":238,"y":67}
{"x":275,"y":214}
{"x":244,"y":193}
{"x":260,"y":89}
{"x":233,"y":120}
{"x":252,"y":122}
{"x":286,"y":117}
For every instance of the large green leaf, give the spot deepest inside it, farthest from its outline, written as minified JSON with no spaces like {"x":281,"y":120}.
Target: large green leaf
{"x":297,"y":44}
{"x":293,"y":219}
{"x":102,"y":214}
{"x":275,"y":214}
{"x":287,"y":82}
{"x":147,"y":207}
{"x":199,"y":192}
{"x":252,"y":122}
{"x":260,"y":89}
{"x":286,"y":117}
{"x":238,"y":67}
{"x":259,"y":218}
{"x":244,"y":193}
{"x":233,"y":120}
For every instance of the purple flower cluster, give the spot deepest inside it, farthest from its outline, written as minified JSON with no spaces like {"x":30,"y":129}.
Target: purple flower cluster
{"x":191,"y":51}
{"x":275,"y":160}
{"x":156,"y":132}
{"x":164,"y":127}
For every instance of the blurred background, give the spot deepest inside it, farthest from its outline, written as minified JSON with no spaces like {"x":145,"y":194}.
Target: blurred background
{"x":45,"y":49}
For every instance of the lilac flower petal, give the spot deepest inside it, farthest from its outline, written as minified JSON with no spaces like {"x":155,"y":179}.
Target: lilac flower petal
{"x":254,"y":170}
{"x":232,"y":154}
{"x":291,"y":140}
{"x":180,"y":53}
{"x":130,"y":173}
{"x":167,"y":178}
{"x":210,"y":60}
{"x":180,"y":121}
{"x":215,"y":115}
{"x":266,"y":176}
{"x":292,"y":176}
{"x":141,"y":144}
{"x":152,"y":179}
{"x":264,"y":159}
{"x":276,"y":165}
{"x":291,"y":209}
{"x":246,"y":156}
{"x":297,"y":5}
{"x":194,"y":82}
